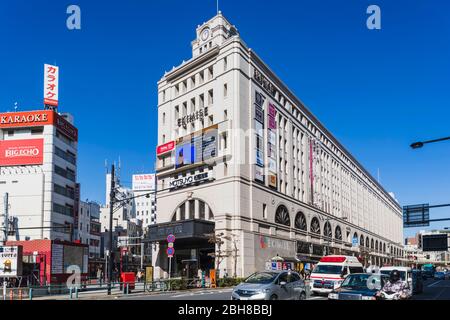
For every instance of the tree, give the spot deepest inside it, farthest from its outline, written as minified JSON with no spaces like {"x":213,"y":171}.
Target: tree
{"x":218,"y":241}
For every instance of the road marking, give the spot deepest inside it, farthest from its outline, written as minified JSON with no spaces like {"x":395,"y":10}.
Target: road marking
{"x":316,"y":298}
{"x":433,"y":284}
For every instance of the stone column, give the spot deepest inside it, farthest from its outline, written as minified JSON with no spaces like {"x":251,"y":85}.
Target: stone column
{"x":197,"y":210}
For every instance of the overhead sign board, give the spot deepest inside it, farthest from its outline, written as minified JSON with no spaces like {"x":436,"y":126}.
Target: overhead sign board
{"x":51,"y":85}
{"x":416,"y":216}
{"x":21,"y":152}
{"x":435,"y":242}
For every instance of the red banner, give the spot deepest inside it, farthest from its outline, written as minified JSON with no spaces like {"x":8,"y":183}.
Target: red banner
{"x":21,"y":152}
{"x":165,"y":148}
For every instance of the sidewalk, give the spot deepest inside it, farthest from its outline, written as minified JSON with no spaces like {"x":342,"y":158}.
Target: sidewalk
{"x":116,"y":293}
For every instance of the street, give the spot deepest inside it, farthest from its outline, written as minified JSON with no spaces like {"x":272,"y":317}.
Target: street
{"x":435,"y":290}
{"x":432,"y":290}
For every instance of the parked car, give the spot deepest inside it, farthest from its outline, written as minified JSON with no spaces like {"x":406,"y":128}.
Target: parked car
{"x":359,"y":286}
{"x":271,"y":285}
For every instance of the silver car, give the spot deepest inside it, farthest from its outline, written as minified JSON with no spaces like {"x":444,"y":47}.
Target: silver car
{"x":271,"y":285}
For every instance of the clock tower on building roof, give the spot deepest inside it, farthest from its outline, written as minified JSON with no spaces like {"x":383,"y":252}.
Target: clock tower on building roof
{"x":214,"y":32}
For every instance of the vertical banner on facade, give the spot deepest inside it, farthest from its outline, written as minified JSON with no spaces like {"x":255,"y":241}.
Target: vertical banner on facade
{"x":311,"y":172}
{"x":259,"y":137}
{"x":51,"y":83}
{"x":272,"y":144}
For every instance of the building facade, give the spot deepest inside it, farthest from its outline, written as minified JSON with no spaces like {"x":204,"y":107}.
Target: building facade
{"x":241,"y":157}
{"x":38,"y":168}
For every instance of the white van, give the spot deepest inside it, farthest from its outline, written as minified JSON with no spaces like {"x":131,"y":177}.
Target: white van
{"x":331,"y":271}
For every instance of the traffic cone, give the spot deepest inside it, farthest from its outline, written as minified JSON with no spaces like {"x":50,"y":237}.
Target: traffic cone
{"x":20,"y":295}
{"x":11,"y":295}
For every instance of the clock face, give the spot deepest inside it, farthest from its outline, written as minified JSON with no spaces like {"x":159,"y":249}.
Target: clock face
{"x":205,"y":34}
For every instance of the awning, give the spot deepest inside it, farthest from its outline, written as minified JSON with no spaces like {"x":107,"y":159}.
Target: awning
{"x":187,"y":229}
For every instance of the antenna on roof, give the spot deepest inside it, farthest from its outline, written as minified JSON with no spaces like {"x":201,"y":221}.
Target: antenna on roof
{"x":217,"y":7}
{"x":15,"y":106}
{"x":106,"y":166}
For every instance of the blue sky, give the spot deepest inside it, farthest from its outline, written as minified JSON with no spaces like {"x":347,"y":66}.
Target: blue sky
{"x":375,"y":90}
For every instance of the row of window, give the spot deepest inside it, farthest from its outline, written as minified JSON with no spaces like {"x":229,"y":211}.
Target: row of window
{"x":66,"y":210}
{"x":66,"y":155}
{"x":64,"y":191}
{"x":66,"y":173}
{"x":192,"y":82}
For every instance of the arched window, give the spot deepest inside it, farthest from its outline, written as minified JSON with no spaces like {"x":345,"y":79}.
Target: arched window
{"x":338,"y":233}
{"x":315,"y":226}
{"x":367,"y":242}
{"x":384,"y":247}
{"x":371,"y":244}
{"x":376,"y":245}
{"x":361,"y":241}
{"x":282,"y":216}
{"x":355,"y":238}
{"x":190,"y":210}
{"x":300,"y":221}
{"x":327,"y":232}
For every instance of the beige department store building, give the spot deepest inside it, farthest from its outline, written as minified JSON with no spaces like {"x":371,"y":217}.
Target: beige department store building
{"x":240,"y":155}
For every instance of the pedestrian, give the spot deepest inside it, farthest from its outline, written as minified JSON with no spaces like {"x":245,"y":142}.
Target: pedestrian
{"x":139,"y":276}
{"x":100,"y":276}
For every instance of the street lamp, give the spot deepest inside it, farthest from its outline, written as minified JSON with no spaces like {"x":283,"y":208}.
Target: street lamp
{"x":420,"y":144}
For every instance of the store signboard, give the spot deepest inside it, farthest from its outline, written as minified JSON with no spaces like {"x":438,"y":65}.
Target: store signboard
{"x":144,"y":182}
{"x":197,"y":148}
{"x":51,"y":85}
{"x":191,"y":179}
{"x":10,"y":261}
{"x":57,"y":259}
{"x":21,"y":152}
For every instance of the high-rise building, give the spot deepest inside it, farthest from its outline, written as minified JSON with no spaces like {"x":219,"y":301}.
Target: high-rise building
{"x":241,"y":156}
{"x":38,"y":170}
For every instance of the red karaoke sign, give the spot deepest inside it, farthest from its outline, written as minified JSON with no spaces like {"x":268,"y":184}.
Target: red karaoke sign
{"x":21,"y":152}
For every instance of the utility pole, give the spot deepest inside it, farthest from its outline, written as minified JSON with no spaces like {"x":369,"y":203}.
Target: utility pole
{"x":142,"y":251}
{"x":5,"y":218}
{"x":112,"y":197}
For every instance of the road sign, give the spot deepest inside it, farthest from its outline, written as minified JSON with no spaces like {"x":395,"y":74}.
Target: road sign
{"x":170,"y":238}
{"x":170,"y":252}
{"x":416,"y":216}
{"x":435,"y":242}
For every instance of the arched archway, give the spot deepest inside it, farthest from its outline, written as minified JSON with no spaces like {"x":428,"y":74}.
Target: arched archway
{"x":372,"y":244}
{"x":282,"y":216}
{"x":361,"y":241}
{"x":193,"y":209}
{"x":300,"y":221}
{"x":367,"y":242}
